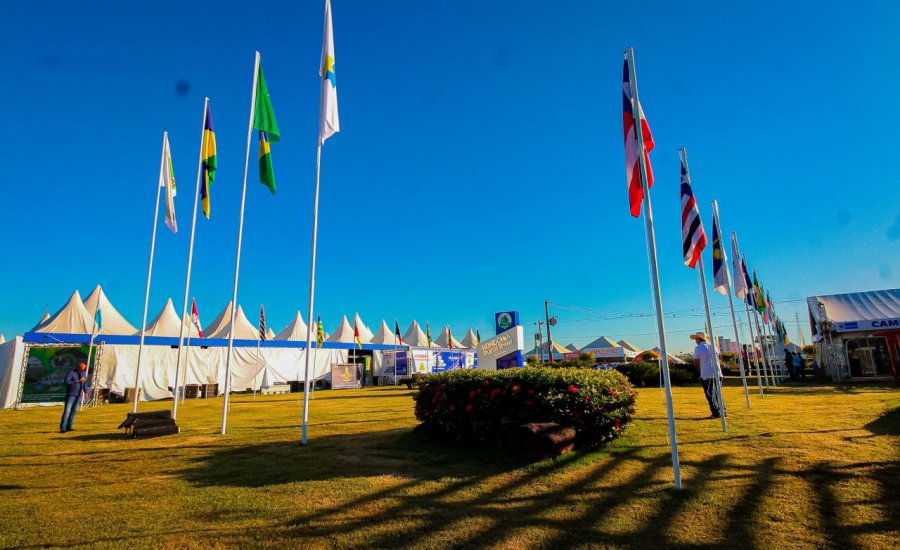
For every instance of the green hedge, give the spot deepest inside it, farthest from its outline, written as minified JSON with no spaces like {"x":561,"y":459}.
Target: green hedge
{"x":474,"y":405}
{"x":646,"y":375}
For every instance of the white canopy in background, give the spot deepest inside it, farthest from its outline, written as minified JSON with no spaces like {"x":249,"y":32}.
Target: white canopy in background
{"x":415,"y":337}
{"x":43,"y":320}
{"x":600,"y":343}
{"x":858,"y":311}
{"x":470,"y":340}
{"x":442,"y":339}
{"x":113,"y":322}
{"x":629,"y":346}
{"x":220,"y":327}
{"x":385,"y":336}
{"x":270,"y":334}
{"x":166,"y":324}
{"x":295,"y":331}
{"x":572,"y":347}
{"x":364,"y":333}
{"x":11,"y":357}
{"x":343,"y":333}
{"x":72,"y":318}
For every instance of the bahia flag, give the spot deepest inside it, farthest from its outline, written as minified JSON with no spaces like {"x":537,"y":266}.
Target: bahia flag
{"x":262,"y":323}
{"x":167,"y":181}
{"x":693,"y":238}
{"x":397,"y":332}
{"x":207,"y":161}
{"x":632,"y":159}
{"x":195,"y":318}
{"x":356,"y":335}
{"x":329,"y":123}
{"x":320,"y":331}
{"x":721,"y":277}
{"x":740,"y":282}
{"x":264,"y":121}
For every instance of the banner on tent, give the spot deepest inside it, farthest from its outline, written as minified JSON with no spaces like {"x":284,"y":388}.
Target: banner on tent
{"x":46,"y":370}
{"x":448,"y":360}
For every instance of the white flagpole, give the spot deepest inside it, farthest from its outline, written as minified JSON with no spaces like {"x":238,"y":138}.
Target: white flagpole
{"x":187,"y":360}
{"x":137,"y":374}
{"x":312,"y":292}
{"x":237,"y":263}
{"x":767,"y":365}
{"x":88,"y":364}
{"x":752,"y":349}
{"x":654,"y":271}
{"x":737,"y":337}
{"x":187,"y":278}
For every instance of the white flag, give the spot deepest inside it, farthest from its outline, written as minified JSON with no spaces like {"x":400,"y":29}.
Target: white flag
{"x":329,"y":123}
{"x":740,"y":280}
{"x":167,"y":180}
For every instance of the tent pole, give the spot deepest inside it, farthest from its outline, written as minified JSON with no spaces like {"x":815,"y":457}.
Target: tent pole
{"x":137,"y":374}
{"x":187,"y":278}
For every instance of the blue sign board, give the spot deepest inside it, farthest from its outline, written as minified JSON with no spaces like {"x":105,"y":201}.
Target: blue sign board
{"x":505,"y":320}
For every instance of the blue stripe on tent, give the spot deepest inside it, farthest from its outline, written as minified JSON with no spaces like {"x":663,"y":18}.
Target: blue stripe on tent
{"x":59,"y":338}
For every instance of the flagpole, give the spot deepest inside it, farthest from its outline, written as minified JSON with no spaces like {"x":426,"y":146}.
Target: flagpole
{"x":312,"y":291}
{"x":737,"y":337}
{"x":770,"y":380}
{"x":237,"y":263}
{"x":187,"y":279}
{"x":137,"y":374}
{"x":759,"y":365}
{"x":88,"y":364}
{"x":187,"y":360}
{"x":654,"y":271}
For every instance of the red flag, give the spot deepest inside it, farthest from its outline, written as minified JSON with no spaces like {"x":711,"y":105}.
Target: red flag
{"x":632,"y":167}
{"x":195,"y":318}
{"x":356,"y":335}
{"x":397,"y":332}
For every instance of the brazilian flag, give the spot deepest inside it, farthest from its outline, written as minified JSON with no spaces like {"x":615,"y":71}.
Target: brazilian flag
{"x":264,"y":121}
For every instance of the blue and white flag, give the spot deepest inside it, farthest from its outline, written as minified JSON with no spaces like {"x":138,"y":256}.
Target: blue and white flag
{"x":721,"y":278}
{"x":329,"y":123}
{"x":98,"y":320}
{"x":740,"y":283}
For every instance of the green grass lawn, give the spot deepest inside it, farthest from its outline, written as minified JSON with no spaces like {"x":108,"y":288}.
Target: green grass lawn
{"x":808,"y":466}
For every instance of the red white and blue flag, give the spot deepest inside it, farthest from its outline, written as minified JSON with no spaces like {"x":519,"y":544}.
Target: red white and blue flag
{"x":632,"y":158}
{"x":741,"y":286}
{"x":692,"y":235}
{"x":262,"y":323}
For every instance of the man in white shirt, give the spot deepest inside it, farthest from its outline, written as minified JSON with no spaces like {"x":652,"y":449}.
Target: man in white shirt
{"x":710,"y":374}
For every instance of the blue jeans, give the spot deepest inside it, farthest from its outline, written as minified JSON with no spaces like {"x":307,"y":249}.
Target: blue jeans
{"x":69,"y":411}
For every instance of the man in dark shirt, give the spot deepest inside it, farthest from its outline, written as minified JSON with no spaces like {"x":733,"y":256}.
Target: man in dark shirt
{"x":76,"y":386}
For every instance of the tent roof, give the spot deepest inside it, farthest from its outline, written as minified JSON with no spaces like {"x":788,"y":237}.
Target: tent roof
{"x":572,"y":347}
{"x":365,"y":335}
{"x":385,"y":335}
{"x":166,"y":324}
{"x":270,"y":334}
{"x":629,"y":346}
{"x":72,"y":318}
{"x":295,"y":331}
{"x":43,"y":320}
{"x":602,"y":342}
{"x":857,"y":310}
{"x":416,"y":337}
{"x":672,"y":358}
{"x":343,"y":333}
{"x":2,"y":339}
{"x":557,"y":349}
{"x":113,"y":322}
{"x":442,"y":339}
{"x":221,"y":326}
{"x":470,"y":340}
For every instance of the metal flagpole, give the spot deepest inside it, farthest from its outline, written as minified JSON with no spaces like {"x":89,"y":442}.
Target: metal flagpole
{"x":712,"y":339}
{"x":654,"y":271}
{"x":760,"y":379}
{"x":312,"y":292}
{"x":187,"y":360}
{"x":770,"y":340}
{"x":237,"y":263}
{"x":88,"y":364}
{"x":137,"y":375}
{"x":770,"y":379}
{"x":187,"y":278}
{"x":737,"y":337}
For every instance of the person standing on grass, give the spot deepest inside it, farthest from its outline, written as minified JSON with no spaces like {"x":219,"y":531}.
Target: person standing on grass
{"x":789,"y":365}
{"x":798,"y":366}
{"x":709,"y":372}
{"x":76,"y":387}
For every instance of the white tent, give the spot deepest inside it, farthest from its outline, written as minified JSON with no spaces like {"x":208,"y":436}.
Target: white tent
{"x":365,"y":335}
{"x":343,"y":334}
{"x":470,"y":340}
{"x":72,"y":318}
{"x":572,"y":347}
{"x":295,"y":331}
{"x":270,"y":334}
{"x":43,"y":320}
{"x":629,"y":346}
{"x":221,"y":326}
{"x":166,"y":324}
{"x":600,"y":343}
{"x":385,"y":336}
{"x":415,"y":337}
{"x":442,"y":339}
{"x":11,"y":357}
{"x":113,"y":322}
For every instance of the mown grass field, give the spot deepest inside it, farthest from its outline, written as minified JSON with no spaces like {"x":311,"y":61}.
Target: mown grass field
{"x":808,"y":466}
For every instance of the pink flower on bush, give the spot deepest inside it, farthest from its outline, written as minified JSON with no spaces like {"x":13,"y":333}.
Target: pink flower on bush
{"x":587,"y":397}
{"x":573,"y":388}
{"x":617,"y":423}
{"x":452,"y":408}
{"x":529,"y":402}
{"x":530,"y":392}
{"x":478,"y":391}
{"x":613,"y":392}
{"x":469,"y":407}
{"x":471,"y":393}
{"x":516,"y":388}
{"x":487,"y":382}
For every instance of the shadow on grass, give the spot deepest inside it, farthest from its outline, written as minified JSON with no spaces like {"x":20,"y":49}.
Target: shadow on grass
{"x":886,"y":424}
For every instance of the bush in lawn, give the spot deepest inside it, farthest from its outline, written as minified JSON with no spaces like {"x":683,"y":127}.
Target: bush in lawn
{"x":646,"y":375}
{"x":473,"y":405}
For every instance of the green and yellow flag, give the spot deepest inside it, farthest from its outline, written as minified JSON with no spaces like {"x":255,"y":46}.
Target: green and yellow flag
{"x":264,"y":121}
{"x":320,"y":332}
{"x":758,"y":292}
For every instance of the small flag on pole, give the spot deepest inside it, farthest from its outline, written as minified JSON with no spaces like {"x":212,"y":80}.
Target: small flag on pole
{"x":208,"y":162}
{"x":329,"y":123}
{"x":632,"y":162}
{"x":692,"y":235}
{"x":195,"y":318}
{"x":264,"y":121}
{"x":750,"y":298}
{"x":740,"y":283}
{"x":397,"y":332}
{"x":449,"y":339}
{"x":167,"y":181}
{"x":98,"y":321}
{"x":757,"y":291}
{"x":262,"y":323}
{"x":320,"y":331}
{"x":477,"y":337}
{"x":356,"y":335}
{"x":721,"y":278}
{"x":428,"y":334}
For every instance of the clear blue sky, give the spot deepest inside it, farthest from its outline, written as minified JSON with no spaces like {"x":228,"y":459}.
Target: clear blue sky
{"x":480,"y":166}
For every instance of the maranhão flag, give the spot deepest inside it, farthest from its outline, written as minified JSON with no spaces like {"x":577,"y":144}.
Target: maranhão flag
{"x":167,"y":181}
{"x":632,"y":158}
{"x":693,"y":238}
{"x":320,"y":331}
{"x":397,"y":332}
{"x":721,"y":277}
{"x":329,"y":122}
{"x":449,"y":338}
{"x":208,"y":161}
{"x":264,"y":121}
{"x":195,"y":318}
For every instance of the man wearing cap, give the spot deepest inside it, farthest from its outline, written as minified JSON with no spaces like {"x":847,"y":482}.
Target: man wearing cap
{"x":76,"y":386}
{"x":709,"y":371}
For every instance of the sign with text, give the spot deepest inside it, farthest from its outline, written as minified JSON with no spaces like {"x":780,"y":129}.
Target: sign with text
{"x":501,"y":346}
{"x":346,"y":376}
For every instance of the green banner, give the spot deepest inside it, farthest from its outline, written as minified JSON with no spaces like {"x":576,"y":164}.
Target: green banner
{"x":46,"y":370}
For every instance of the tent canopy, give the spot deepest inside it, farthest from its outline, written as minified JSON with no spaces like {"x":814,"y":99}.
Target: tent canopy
{"x":629,"y":346}
{"x":470,"y":340}
{"x":221,"y":326}
{"x":365,"y":335}
{"x":72,"y":318}
{"x":166,"y":323}
{"x":873,"y":310}
{"x":445,"y":338}
{"x":385,"y":335}
{"x":343,"y":333}
{"x":415,"y":337}
{"x":557,"y":349}
{"x":295,"y":331}
{"x":600,"y":343}
{"x":113,"y":322}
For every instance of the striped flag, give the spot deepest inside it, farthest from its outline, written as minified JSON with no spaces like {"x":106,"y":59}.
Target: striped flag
{"x":632,"y":160}
{"x":397,"y":332}
{"x":195,"y":318}
{"x":750,"y":298}
{"x":329,"y":122}
{"x":167,"y":180}
{"x":208,"y":160}
{"x":693,"y":237}
{"x":721,"y":277}
{"x":262,"y":323}
{"x":740,"y":283}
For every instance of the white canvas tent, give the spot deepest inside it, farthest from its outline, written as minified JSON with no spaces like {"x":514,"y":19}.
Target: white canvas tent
{"x":415,"y":337}
{"x":442,"y":339}
{"x":72,"y":318}
{"x":166,"y":324}
{"x":470,"y":340}
{"x":600,"y":343}
{"x":295,"y":331}
{"x":385,"y":336}
{"x":343,"y":333}
{"x":629,"y":346}
{"x":365,"y":335}
{"x":113,"y":322}
{"x":11,"y":357}
{"x":270,"y":334}
{"x":43,"y":320}
{"x":220,"y":327}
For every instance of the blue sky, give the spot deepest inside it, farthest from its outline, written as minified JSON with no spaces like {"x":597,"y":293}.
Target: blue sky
{"x":480,"y":166}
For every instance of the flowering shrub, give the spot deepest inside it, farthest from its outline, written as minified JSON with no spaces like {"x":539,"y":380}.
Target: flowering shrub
{"x":474,"y":405}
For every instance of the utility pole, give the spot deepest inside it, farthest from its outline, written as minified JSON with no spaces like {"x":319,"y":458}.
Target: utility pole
{"x":550,"y":322}
{"x":800,"y":330}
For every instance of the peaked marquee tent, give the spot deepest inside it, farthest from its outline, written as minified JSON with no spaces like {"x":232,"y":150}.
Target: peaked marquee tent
{"x":442,"y":340}
{"x":470,"y":340}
